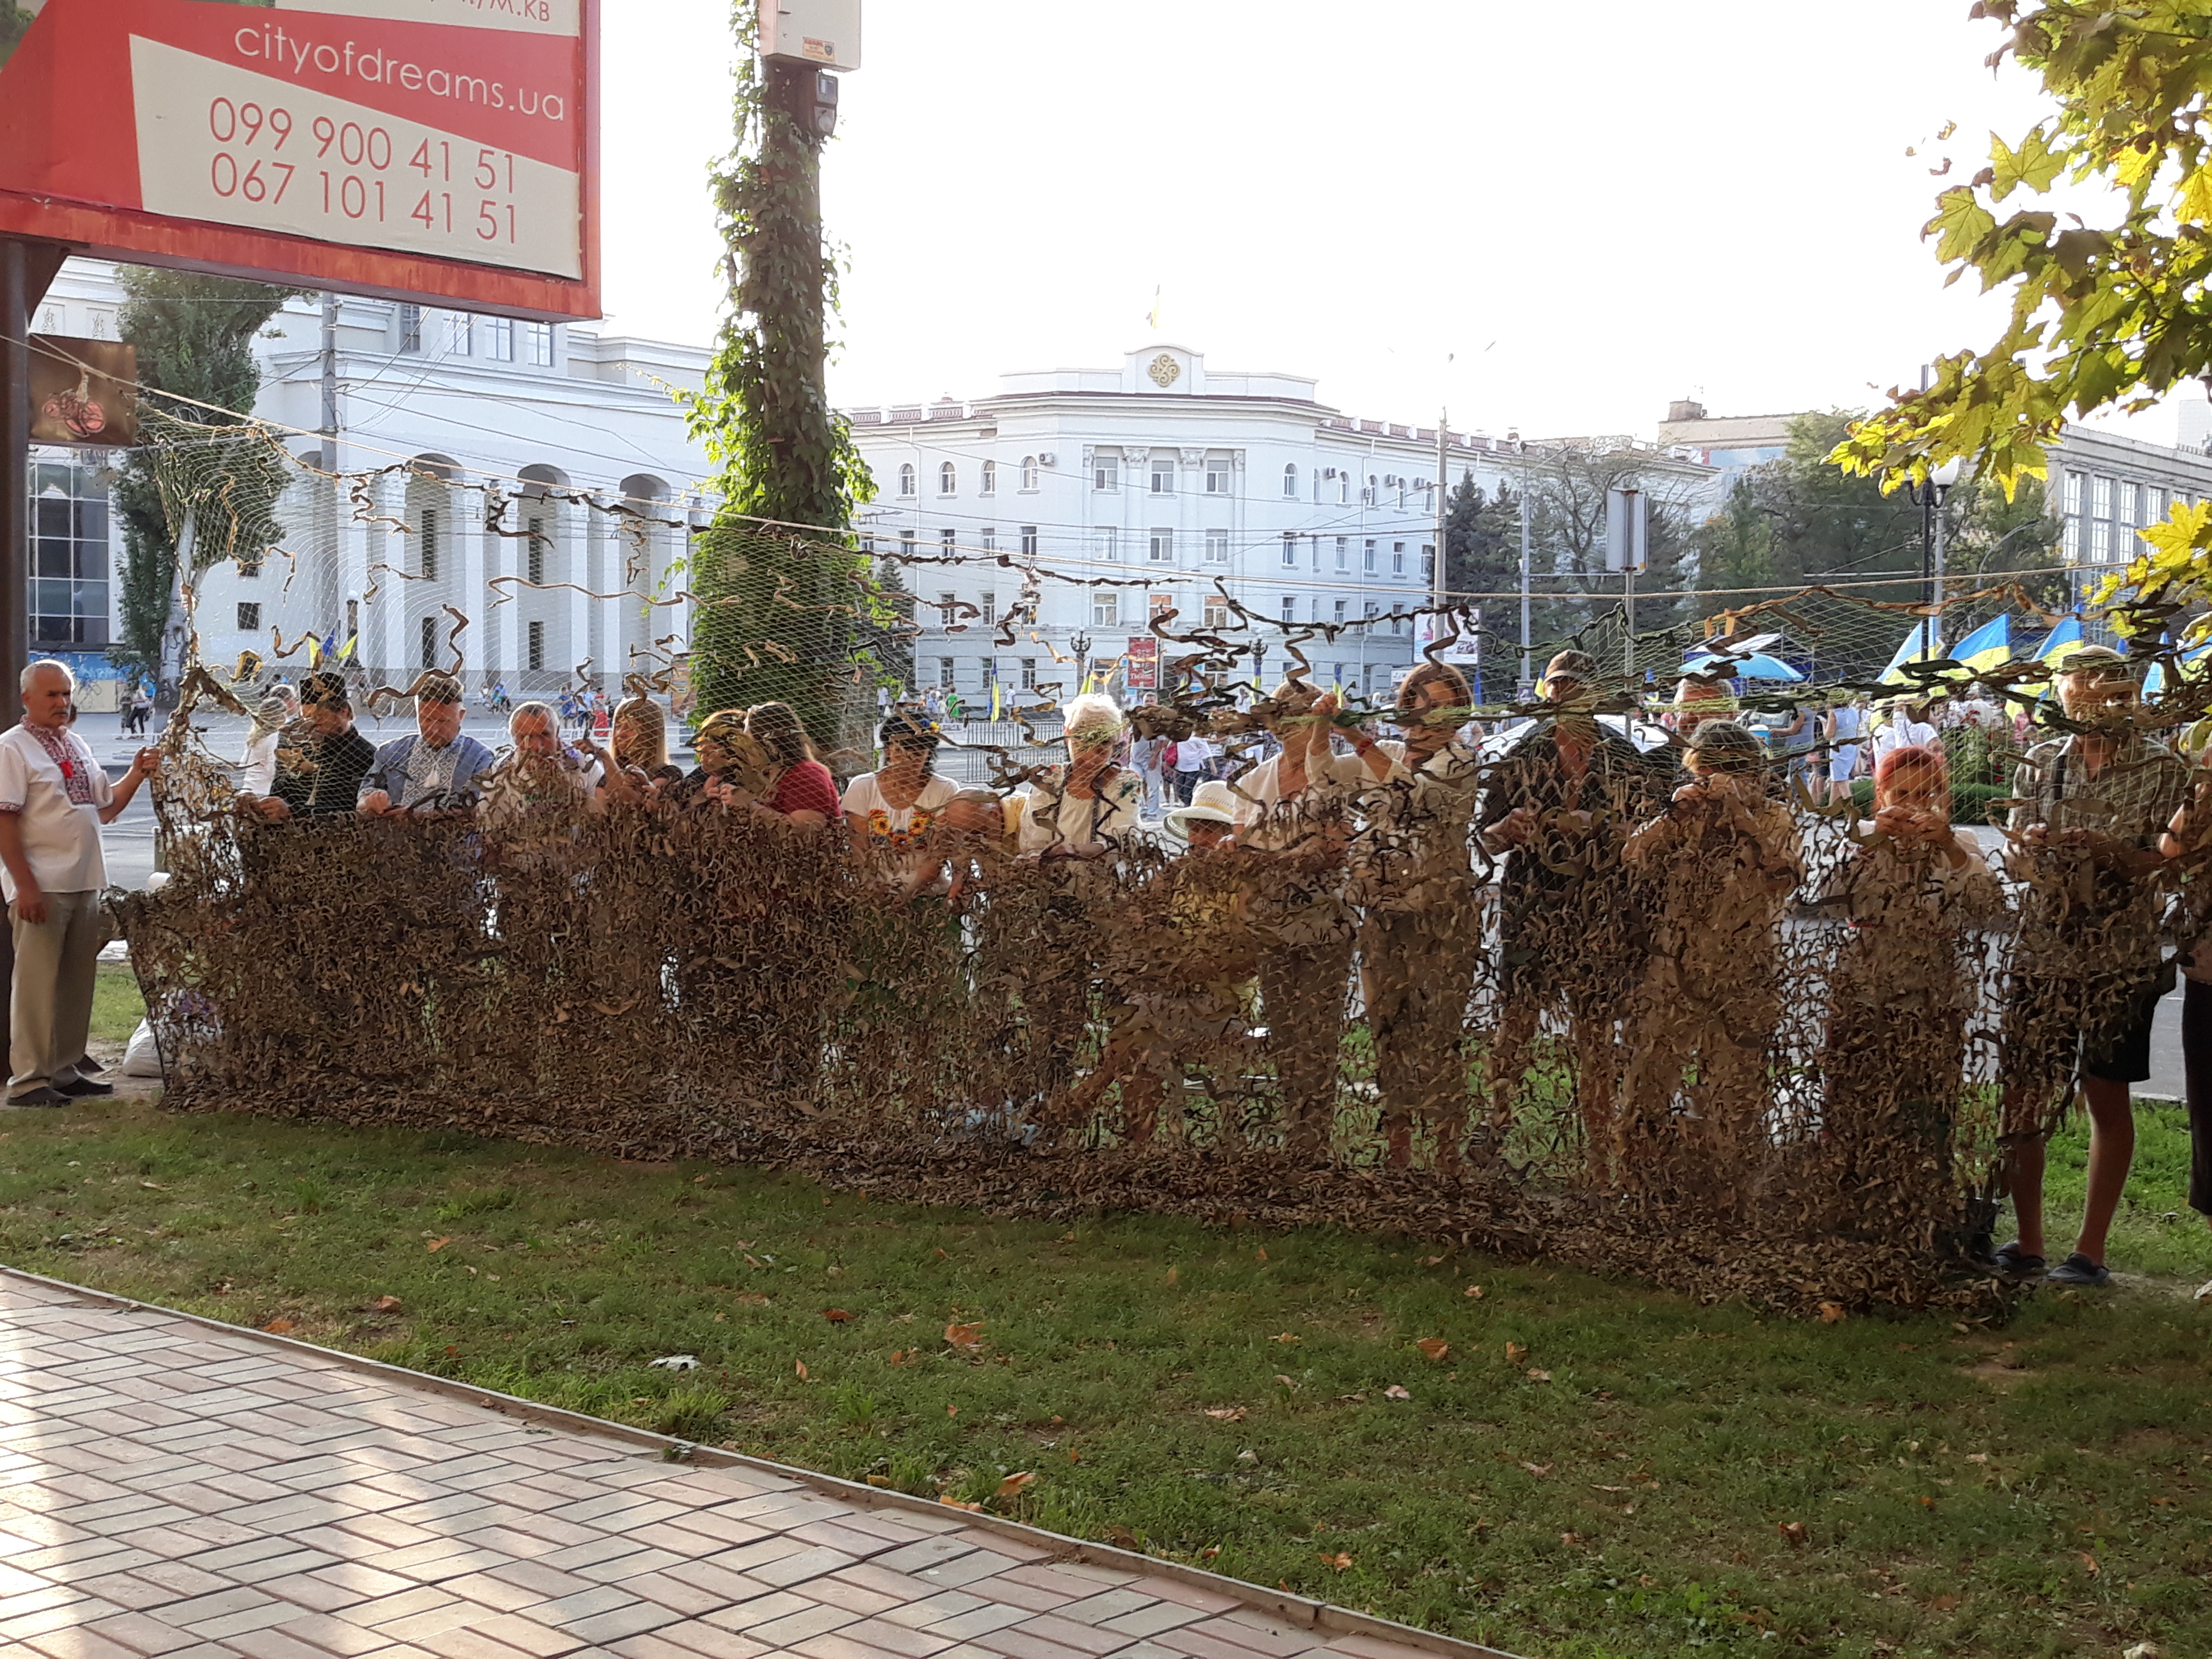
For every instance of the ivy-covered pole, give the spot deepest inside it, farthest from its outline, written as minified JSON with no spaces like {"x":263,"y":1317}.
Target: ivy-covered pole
{"x":776,"y":572}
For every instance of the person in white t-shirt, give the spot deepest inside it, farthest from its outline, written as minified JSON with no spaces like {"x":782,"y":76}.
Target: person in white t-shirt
{"x":54,"y":796}
{"x":888,"y":811}
{"x":1908,"y":728}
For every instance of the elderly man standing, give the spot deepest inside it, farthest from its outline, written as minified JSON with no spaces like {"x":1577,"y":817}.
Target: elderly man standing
{"x":54,"y":796}
{"x":435,"y":770}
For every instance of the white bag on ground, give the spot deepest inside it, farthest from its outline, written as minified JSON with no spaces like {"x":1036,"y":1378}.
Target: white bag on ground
{"x":142,"y":1057}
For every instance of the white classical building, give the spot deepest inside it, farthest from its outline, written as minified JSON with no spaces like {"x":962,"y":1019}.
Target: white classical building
{"x":1201,"y":491}
{"x":459,"y":408}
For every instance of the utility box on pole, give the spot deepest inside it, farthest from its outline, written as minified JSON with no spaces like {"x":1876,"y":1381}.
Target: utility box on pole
{"x":1627,"y":518}
{"x":824,"y":33}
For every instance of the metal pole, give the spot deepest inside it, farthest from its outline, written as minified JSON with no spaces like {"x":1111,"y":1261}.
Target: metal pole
{"x":16,"y":302}
{"x":1438,"y":591}
{"x":1528,"y":674}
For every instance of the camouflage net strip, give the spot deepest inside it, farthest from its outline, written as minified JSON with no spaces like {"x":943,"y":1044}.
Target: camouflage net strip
{"x":1734,"y":1039}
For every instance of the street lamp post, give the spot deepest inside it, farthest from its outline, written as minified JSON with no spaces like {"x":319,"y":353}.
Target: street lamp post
{"x":1079,"y":643}
{"x":1929,"y":497}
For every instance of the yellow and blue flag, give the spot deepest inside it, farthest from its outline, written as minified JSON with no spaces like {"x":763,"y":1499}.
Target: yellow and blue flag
{"x":1987,"y":645}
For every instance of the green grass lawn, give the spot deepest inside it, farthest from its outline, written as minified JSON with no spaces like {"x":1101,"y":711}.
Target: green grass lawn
{"x":1591,"y":1468}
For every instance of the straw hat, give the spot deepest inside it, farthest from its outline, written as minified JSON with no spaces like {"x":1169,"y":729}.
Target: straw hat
{"x":1210,"y":803}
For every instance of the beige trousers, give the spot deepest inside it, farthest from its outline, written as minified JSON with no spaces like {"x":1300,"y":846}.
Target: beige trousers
{"x":50,"y":1012}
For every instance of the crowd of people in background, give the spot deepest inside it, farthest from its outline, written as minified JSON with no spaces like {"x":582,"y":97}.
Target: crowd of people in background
{"x":1630,"y":897}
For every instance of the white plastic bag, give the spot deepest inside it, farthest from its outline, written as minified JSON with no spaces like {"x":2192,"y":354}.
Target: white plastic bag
{"x":142,"y":1057}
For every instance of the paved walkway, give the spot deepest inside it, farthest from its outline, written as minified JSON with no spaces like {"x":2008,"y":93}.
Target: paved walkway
{"x":172,"y":1488}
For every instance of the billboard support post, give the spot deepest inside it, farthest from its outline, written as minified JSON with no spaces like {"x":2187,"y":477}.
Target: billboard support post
{"x":26,"y":269}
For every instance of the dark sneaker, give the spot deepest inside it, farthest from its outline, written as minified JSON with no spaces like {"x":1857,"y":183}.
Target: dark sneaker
{"x":2012,"y":1262}
{"x":2078,"y":1269}
{"x":85,"y":1085}
{"x":40,"y":1096}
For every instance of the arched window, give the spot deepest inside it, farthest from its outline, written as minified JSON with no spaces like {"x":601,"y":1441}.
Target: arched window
{"x":906,"y":478}
{"x":990,"y":486}
{"x":1371,"y":498}
{"x":1344,"y":488}
{"x":1029,"y":472}
{"x":948,"y":479}
{"x":1291,"y":483}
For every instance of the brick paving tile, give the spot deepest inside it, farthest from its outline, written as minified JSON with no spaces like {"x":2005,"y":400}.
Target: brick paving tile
{"x":1107,"y":1604}
{"x":1190,"y":1595}
{"x":333,"y":1634}
{"x":933,"y":1610}
{"x":1019,"y":1645}
{"x":81,"y":1565}
{"x":885,"y":1636}
{"x":526,"y":1635}
{"x":978,"y":1621}
{"x":896,"y":1585}
{"x":845,"y":1645}
{"x":678,"y":1539}
{"x":420,"y":1627}
{"x":141,"y":1633}
{"x":632,"y":1620}
{"x":726,"y":1530}
{"x":486,"y":1591}
{"x":837,"y":1591}
{"x":912,"y":1557}
{"x":688,"y":1641}
{"x":463,"y":1643}
{"x":1068,"y":1633}
{"x":796,"y":1627}
{"x":1149,"y":1620}
{"x":719,"y":1581}
{"x":127,"y":1589}
{"x":275,"y":1644}
{"x":620,"y":1569}
{"x":786,"y":1570}
{"x":1375,"y":1647}
{"x":77,"y":1643}
{"x":248,"y":1619}
{"x":842,"y":1534}
{"x":1016,"y":1591}
{"x":687,"y":1599}
{"x":582,"y":1604}
{"x":309,"y":1591}
{"x":967,"y":1569}
{"x":1262,"y":1634}
{"x":82,"y":1611}
{"x":1201,"y":1641}
{"x":577,"y":1557}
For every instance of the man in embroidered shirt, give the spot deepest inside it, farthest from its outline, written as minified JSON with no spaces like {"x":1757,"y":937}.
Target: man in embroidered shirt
{"x":53,"y":799}
{"x":436,"y":770}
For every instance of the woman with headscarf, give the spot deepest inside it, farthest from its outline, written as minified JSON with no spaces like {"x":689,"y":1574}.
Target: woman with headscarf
{"x":888,"y":811}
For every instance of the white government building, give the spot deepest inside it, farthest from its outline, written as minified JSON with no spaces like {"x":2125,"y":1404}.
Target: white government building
{"x":1193,"y":488}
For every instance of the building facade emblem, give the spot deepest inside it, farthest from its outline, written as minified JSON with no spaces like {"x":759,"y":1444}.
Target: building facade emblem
{"x":1165,"y":371}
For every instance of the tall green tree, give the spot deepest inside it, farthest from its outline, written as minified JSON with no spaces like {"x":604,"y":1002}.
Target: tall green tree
{"x":782,"y":585}
{"x":194,"y":337}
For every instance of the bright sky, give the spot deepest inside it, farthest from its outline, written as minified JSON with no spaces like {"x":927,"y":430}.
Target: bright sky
{"x":1589,"y":210}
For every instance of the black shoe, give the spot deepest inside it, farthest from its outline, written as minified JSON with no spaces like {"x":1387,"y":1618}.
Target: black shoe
{"x":87,"y":1067}
{"x":2012,"y":1262}
{"x":85,"y":1085}
{"x":2078,"y":1269}
{"x":40,"y":1096}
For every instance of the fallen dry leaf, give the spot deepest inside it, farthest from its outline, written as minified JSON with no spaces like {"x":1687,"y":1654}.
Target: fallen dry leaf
{"x":800,"y":1367}
{"x":879,"y":1480}
{"x":965,"y":1336}
{"x":751,"y":1260}
{"x":1067,"y":1238}
{"x":1832,"y":1312}
{"x":835,"y":1316}
{"x":1571,"y":1538}
{"x":1285,"y":1337}
{"x":1394,"y":1392}
{"x":1536,"y":1376}
{"x":1123,"y":1538}
{"x":1540,"y":1470}
{"x":153,"y":1187}
{"x":1227,"y":1413}
{"x":1515,"y":1352}
{"x":1263,"y":1255}
{"x":1287,"y":1382}
{"x":438,"y":1243}
{"x":2090,"y":1562}
{"x":697,"y":1181}
{"x":951,"y":1411}
{"x":1355,"y":1399}
{"x":951,"y":1502}
{"x":1013,"y":1483}
{"x":1432,"y":1262}
{"x":1472,"y":1292}
{"x":1792,"y":1530}
{"x":755,"y":1299}
{"x":899,"y":1356}
{"x":1173,"y":1274}
{"x":277,"y":1325}
{"x":385,"y":1305}
{"x":1339,"y":1560}
{"x":1596,"y":1488}
{"x":1434,"y":1347}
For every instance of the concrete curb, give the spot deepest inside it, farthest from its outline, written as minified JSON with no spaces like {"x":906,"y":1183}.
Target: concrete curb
{"x":1296,"y":1610}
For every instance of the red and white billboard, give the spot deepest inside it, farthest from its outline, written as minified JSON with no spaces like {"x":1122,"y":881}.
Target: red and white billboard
{"x":439,"y":150}
{"x":1140,"y":668}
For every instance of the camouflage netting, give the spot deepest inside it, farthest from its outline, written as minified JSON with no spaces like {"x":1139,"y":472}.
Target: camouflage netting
{"x":1729,"y":1035}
